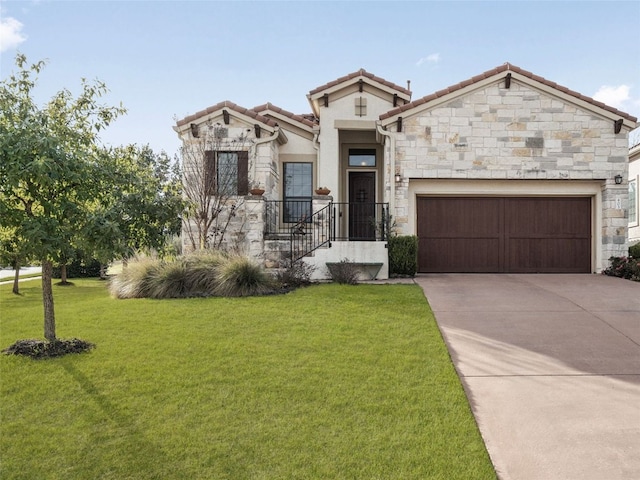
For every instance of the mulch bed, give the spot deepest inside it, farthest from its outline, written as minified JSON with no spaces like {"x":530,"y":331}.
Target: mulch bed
{"x":45,"y":349}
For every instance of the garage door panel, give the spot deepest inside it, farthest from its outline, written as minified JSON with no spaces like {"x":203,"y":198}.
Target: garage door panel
{"x":504,"y":234}
{"x":548,"y":255}
{"x":462,"y":217}
{"x":544,"y":217}
{"x":458,"y":255}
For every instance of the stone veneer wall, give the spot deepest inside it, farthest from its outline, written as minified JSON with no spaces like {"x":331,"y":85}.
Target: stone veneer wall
{"x":517,"y":133}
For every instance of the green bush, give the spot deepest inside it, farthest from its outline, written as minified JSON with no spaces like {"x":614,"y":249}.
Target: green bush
{"x":624,"y":267}
{"x":80,"y":268}
{"x":403,"y":255}
{"x":634,"y":250}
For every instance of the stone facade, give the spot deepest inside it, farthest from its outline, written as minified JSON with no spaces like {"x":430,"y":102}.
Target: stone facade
{"x":506,"y":132}
{"x":519,"y":133}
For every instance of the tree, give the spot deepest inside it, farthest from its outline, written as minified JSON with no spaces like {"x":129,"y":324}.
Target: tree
{"x":11,"y":254}
{"x":51,"y":168}
{"x":143,"y":205}
{"x":215,"y":170}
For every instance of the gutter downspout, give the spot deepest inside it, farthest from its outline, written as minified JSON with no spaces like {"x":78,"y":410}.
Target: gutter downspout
{"x":316,"y":147}
{"x":254,"y":147}
{"x":392,"y":166}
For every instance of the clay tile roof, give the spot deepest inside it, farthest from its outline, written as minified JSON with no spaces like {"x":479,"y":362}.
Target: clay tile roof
{"x":362,"y":72}
{"x":306,"y":119}
{"x":231,"y":106}
{"x":495,"y":71}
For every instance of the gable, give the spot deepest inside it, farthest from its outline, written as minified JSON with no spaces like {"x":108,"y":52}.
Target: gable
{"x":357,"y":82}
{"x":508,"y":76}
{"x":228,"y":115}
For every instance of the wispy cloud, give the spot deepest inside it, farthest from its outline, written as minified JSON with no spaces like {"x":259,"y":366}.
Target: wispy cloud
{"x":10,"y":34}
{"x":432,"y":58}
{"x":617,"y":97}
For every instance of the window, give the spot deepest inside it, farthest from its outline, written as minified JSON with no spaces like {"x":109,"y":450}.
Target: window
{"x":226,"y":173}
{"x":362,"y":157}
{"x":298,"y":181}
{"x":633,"y":202}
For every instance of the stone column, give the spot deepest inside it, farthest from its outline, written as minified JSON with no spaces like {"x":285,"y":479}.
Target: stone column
{"x":254,"y":206}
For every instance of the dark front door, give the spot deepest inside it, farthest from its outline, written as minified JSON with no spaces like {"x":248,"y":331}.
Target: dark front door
{"x":362,"y":198}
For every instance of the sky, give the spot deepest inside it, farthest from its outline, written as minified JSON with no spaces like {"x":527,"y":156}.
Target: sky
{"x":165,"y":60}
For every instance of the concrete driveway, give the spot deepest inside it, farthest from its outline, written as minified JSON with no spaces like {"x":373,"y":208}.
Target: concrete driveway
{"x":551,"y":367}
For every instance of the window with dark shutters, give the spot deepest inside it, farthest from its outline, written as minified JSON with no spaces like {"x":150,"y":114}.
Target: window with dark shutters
{"x":226,"y":173}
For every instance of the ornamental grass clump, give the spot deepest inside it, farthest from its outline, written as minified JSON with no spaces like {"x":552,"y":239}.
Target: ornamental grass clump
{"x":240,"y":277}
{"x":201,"y":272}
{"x":135,"y":279}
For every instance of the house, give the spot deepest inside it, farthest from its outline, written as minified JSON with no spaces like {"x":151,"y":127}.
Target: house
{"x":634,"y":198}
{"x":503,"y":172}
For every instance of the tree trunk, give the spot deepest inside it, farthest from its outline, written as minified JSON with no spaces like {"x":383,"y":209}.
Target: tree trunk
{"x":16,"y":278}
{"x":63,"y":274}
{"x":47,"y":300}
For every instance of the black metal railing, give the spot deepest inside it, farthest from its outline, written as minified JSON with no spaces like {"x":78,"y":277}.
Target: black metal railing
{"x":282,"y":215}
{"x":311,"y":233}
{"x":308,"y":231}
{"x":360,"y":221}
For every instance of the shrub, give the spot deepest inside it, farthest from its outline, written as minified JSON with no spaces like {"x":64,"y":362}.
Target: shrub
{"x":240,"y":277}
{"x":403,"y":255}
{"x":295,"y":274}
{"x":345,"y":272}
{"x":634,"y":251}
{"x":79,"y":268}
{"x":624,"y":267}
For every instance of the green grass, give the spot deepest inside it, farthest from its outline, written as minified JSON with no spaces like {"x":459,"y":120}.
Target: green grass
{"x":327,"y":382}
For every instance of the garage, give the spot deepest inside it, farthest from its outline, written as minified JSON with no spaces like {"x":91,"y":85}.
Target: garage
{"x":504,"y":234}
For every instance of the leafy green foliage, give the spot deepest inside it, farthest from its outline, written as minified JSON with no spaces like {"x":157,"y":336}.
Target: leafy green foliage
{"x":141,"y":210}
{"x":403,"y":255}
{"x":624,"y":267}
{"x":634,"y":251}
{"x":61,"y":190}
{"x":80,"y":267}
{"x":50,"y":169}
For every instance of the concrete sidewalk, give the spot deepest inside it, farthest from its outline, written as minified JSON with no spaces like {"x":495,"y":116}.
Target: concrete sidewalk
{"x":551,"y":366}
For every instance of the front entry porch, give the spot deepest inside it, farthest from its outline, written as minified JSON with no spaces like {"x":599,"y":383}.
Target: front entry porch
{"x":327,"y":233}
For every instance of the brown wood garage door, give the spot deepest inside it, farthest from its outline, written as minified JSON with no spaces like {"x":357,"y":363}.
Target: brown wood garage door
{"x":507,"y":235}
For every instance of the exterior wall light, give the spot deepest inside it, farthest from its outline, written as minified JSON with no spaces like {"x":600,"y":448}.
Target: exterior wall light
{"x":618,"y":179}
{"x":398,"y":178}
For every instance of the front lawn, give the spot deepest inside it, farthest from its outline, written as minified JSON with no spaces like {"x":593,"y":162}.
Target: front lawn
{"x":327,"y":382}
